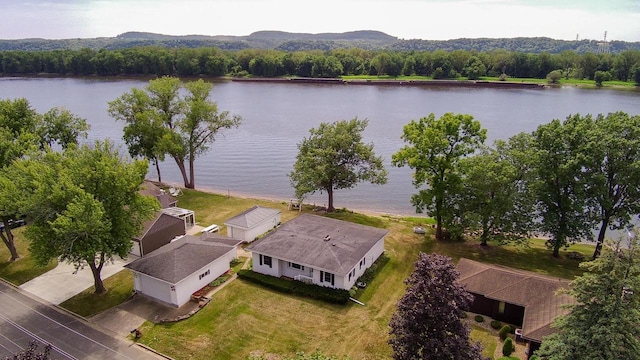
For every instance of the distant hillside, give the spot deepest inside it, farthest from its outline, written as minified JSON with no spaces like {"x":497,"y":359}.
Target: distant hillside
{"x":280,"y":40}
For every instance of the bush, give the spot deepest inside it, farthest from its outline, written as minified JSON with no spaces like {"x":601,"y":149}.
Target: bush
{"x":374,"y":269}
{"x":513,"y":329}
{"x":508,"y":347}
{"x":334,"y":296}
{"x":479,"y":318}
{"x":504,"y":331}
{"x":554,"y":77}
{"x":496,"y":324}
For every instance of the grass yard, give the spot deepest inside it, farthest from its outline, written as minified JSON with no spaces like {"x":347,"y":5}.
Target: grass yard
{"x":25,"y":268}
{"x":243,"y":317}
{"x":87,"y":303}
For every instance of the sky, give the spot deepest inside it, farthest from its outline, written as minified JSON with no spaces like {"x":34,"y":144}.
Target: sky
{"x":405,"y":19}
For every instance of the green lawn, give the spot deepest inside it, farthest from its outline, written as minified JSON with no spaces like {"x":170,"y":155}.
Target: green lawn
{"x":87,"y":303}
{"x":23,"y":269}
{"x":244,"y":317}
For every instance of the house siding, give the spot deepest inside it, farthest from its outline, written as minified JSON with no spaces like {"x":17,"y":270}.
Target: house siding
{"x":180,"y":293}
{"x":281,"y":267}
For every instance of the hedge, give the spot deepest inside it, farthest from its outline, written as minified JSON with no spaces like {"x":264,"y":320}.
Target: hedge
{"x":334,"y":296}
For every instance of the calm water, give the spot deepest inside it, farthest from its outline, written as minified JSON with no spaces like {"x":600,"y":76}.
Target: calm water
{"x":255,"y":158}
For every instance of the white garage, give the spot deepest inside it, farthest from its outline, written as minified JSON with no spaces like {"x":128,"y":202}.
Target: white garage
{"x":177,"y":270}
{"x":252,"y":223}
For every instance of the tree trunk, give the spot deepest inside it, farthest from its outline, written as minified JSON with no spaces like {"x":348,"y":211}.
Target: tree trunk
{"x":556,"y":247}
{"x":330,"y":194}
{"x":97,"y":279}
{"x":192,"y":180}
{"x":158,"y":170}
{"x":183,"y":172}
{"x":439,"y":227}
{"x":9,"y":242}
{"x":600,"y":240}
{"x":485,"y":234}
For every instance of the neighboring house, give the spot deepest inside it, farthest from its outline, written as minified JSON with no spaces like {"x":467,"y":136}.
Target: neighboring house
{"x":174,"y":272}
{"x":318,"y":250}
{"x":165,"y":200}
{"x":157,"y":233}
{"x":252,"y":223}
{"x":516,"y":297}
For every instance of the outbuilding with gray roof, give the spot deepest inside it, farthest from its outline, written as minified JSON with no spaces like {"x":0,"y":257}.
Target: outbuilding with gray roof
{"x":252,"y":223}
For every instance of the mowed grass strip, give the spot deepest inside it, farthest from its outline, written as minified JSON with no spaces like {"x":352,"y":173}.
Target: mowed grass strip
{"x":119,"y":288}
{"x":25,"y":268}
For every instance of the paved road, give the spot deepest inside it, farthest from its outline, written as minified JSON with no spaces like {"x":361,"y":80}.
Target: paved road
{"x":23,"y":319}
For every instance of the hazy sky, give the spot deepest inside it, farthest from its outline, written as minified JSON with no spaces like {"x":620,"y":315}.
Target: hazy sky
{"x":407,"y":19}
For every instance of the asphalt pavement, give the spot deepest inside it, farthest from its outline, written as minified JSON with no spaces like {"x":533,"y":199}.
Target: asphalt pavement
{"x":24,"y":318}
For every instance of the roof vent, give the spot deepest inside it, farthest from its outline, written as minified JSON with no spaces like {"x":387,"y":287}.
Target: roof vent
{"x":327,"y":238}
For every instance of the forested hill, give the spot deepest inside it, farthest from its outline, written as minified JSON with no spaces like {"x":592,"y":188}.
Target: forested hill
{"x":279,"y":40}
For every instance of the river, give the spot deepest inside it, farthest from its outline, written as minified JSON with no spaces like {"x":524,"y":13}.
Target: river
{"x":254,"y":159}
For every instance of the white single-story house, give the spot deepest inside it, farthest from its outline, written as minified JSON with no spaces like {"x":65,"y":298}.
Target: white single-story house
{"x":318,"y":250}
{"x":252,"y":223}
{"x":174,"y":272}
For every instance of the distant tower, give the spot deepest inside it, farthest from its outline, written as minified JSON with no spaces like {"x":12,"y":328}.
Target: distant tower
{"x":603,"y":47}
{"x":577,"y":37}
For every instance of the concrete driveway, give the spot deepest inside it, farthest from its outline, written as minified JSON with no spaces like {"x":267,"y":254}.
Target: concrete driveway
{"x":63,"y":282}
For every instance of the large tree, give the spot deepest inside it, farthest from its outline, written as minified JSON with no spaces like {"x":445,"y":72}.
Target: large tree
{"x":84,"y":204}
{"x":23,"y":131}
{"x":435,"y":149}
{"x":428,"y":323}
{"x":604,"y":321}
{"x":559,"y":186}
{"x":191,"y":122}
{"x":613,"y":172}
{"x":334,"y":157}
{"x":495,"y":199}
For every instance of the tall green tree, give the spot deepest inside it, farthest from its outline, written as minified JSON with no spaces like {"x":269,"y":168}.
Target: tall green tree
{"x":334,"y":157}
{"x":495,"y":198}
{"x":559,"y":184}
{"x":24,"y":131}
{"x":428,"y":323}
{"x":145,"y":124}
{"x":613,"y":172}
{"x":435,"y":149}
{"x":192,"y":122}
{"x":604,"y":321}
{"x":84,"y":205}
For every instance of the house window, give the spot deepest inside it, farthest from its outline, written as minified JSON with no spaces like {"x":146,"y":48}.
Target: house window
{"x":267,"y":260}
{"x":296,"y":266}
{"x":501,"y":306}
{"x":351,"y":273}
{"x":204,"y":274}
{"x":328,"y":277}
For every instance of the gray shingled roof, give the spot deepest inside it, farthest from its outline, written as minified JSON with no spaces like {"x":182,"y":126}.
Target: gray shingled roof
{"x":150,"y":189}
{"x":536,"y":293}
{"x":302,"y":241}
{"x":252,"y":217}
{"x":179,"y":259}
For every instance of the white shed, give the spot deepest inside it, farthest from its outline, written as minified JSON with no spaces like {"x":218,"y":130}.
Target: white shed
{"x":174,"y":272}
{"x":252,"y":223}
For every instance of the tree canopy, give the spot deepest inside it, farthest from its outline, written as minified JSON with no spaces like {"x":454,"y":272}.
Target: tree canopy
{"x":435,"y":149}
{"x":428,"y":323}
{"x":23,"y":131}
{"x":605,"y":320}
{"x":335,"y":157}
{"x":161,"y":121}
{"x":84,"y":204}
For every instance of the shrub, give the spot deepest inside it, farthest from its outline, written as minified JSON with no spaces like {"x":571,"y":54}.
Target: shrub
{"x":508,"y":347}
{"x":502,"y":77}
{"x":374,"y":269}
{"x":335,"y":296}
{"x":554,"y":76}
{"x":513,"y":329}
{"x":496,"y":324}
{"x":534,"y":357}
{"x":479,"y":318}
{"x":504,"y":331}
